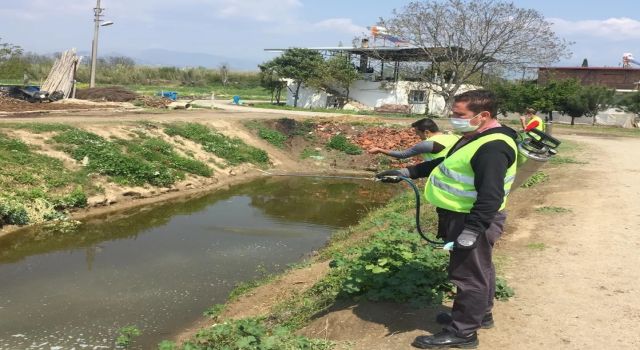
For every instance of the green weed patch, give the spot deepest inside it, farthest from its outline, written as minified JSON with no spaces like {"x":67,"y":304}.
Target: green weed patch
{"x":553,"y":210}
{"x":252,"y":333}
{"x":308,"y":153}
{"x":233,"y":150}
{"x":341,"y":143}
{"x":535,"y":179}
{"x":274,"y":137}
{"x":34,"y":187}
{"x":108,"y":158}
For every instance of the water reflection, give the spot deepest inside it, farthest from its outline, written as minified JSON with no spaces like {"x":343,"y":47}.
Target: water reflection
{"x":159,"y":267}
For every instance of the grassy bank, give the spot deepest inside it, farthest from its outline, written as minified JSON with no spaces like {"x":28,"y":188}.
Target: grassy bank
{"x":37,"y":187}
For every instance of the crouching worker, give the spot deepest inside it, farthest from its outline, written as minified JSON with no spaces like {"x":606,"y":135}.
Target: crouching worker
{"x":469,"y":188}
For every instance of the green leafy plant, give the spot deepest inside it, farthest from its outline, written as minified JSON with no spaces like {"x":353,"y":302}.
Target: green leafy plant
{"x":341,"y":143}
{"x":214,"y":311}
{"x":395,"y":266}
{"x":126,"y":335}
{"x":254,"y":334}
{"x":232,"y":150}
{"x":76,"y":199}
{"x":503,"y":291}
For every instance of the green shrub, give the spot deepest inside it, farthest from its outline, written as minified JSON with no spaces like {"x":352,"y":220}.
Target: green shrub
{"x":13,"y":213}
{"x":232,"y":150}
{"x":340,"y":143}
{"x":76,"y":199}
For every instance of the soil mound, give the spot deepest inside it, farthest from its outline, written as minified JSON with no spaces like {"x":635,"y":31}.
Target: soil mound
{"x":111,"y":94}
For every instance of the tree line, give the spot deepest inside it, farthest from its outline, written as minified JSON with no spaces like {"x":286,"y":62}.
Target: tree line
{"x":17,"y":65}
{"x":568,"y":97}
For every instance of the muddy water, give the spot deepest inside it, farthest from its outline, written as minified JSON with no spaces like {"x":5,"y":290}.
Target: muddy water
{"x":159,"y":267}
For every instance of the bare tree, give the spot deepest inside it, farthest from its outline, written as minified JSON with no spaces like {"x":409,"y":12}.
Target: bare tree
{"x":461,"y":38}
{"x":224,"y":73}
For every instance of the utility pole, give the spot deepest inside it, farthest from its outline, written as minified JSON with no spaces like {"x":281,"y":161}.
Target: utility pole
{"x":94,"y":47}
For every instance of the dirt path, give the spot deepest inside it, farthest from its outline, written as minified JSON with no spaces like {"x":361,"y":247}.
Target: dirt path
{"x":575,"y":274}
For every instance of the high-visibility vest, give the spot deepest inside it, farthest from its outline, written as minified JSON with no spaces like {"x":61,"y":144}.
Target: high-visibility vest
{"x":447,"y":140}
{"x":451,"y":185}
{"x":540,"y":121}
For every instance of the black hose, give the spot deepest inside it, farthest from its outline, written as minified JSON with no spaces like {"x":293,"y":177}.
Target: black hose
{"x":418,"y":227}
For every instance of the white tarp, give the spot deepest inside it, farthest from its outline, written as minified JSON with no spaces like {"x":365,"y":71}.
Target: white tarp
{"x":624,"y":120}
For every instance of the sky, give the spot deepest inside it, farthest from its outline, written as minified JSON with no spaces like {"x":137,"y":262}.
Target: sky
{"x":240,"y":30}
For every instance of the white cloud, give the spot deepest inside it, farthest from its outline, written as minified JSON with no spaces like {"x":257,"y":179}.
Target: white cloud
{"x":260,"y":10}
{"x":342,"y":25}
{"x":614,"y":29}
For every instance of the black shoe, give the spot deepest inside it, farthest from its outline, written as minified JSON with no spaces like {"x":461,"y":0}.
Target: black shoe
{"x":444,"y":318}
{"x":446,"y":339}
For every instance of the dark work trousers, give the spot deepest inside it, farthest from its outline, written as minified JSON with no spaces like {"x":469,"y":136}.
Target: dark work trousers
{"x":472,"y":271}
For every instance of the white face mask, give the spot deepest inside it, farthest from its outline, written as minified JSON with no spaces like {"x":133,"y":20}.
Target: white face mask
{"x":463,"y":125}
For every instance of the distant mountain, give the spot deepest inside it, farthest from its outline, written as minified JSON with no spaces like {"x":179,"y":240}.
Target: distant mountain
{"x":162,"y":57}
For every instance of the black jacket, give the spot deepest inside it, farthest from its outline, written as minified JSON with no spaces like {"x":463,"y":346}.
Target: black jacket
{"x":489,"y":164}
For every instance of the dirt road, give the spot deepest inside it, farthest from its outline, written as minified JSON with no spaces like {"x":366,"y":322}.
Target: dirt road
{"x":576,"y":274}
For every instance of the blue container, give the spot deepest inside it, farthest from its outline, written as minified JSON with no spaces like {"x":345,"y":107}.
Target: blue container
{"x":172,"y":95}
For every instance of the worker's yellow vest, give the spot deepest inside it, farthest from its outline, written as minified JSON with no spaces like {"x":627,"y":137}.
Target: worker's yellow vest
{"x":451,"y":185}
{"x":447,"y":140}
{"x":541,"y":125}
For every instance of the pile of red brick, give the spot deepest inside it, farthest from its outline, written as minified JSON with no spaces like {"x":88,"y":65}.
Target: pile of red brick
{"x":386,"y":138}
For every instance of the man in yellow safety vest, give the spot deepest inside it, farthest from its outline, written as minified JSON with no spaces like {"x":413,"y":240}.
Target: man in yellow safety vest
{"x":435,"y":144}
{"x":469,"y":188}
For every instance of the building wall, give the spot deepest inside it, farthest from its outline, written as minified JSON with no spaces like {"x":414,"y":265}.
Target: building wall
{"x":616,"y":78}
{"x":375,"y":94}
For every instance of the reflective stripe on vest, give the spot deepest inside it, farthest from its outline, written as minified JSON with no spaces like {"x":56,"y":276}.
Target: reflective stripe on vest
{"x":447,"y":140}
{"x":451,"y":185}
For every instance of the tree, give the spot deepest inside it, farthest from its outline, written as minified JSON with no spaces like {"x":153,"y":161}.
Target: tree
{"x":630,"y":102}
{"x":588,"y":101}
{"x":598,"y":98}
{"x":224,"y":73}
{"x":11,"y":64}
{"x":8,"y":51}
{"x":301,"y":65}
{"x":123,"y":61}
{"x":339,"y":71}
{"x":270,"y":80}
{"x":463,"y":37}
{"x":585,"y":63}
